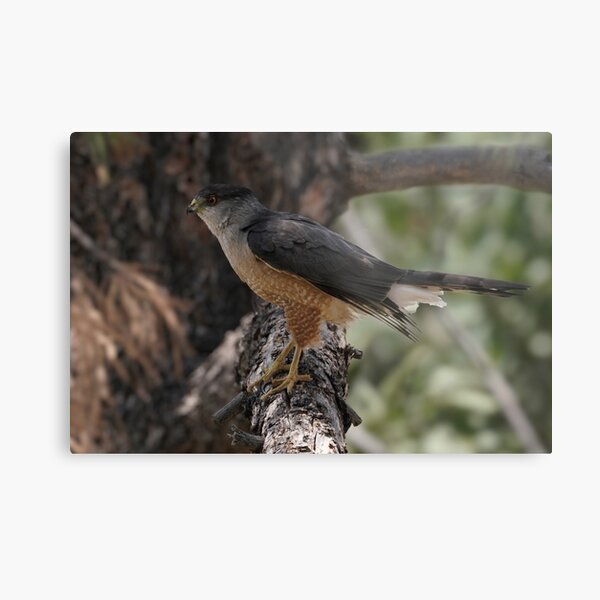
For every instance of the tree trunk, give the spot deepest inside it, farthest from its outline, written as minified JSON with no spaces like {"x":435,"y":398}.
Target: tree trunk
{"x":129,"y":194}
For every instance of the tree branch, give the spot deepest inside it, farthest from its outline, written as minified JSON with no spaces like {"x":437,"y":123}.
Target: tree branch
{"x":314,"y":417}
{"x":245,"y":439}
{"x":208,"y":402}
{"x":497,"y":384}
{"x":231,"y":410}
{"x":522,"y":167}
{"x":88,"y":243}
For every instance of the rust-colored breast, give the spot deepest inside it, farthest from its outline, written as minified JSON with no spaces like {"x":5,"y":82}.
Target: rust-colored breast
{"x":306,"y":307}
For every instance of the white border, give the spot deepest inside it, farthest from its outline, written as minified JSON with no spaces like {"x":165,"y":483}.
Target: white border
{"x":393,"y":526}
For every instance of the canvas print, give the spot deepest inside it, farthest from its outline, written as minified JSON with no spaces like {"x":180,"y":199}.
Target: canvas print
{"x":310,"y":292}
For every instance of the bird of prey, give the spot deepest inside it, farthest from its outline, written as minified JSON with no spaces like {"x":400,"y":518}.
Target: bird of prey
{"x":317,"y":276}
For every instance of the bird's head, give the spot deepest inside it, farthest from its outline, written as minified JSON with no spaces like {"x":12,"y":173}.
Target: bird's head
{"x":220,"y":205}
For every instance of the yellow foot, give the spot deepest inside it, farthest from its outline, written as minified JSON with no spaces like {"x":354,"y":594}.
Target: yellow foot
{"x":285,"y":383}
{"x":268,"y":376}
{"x":277,"y":366}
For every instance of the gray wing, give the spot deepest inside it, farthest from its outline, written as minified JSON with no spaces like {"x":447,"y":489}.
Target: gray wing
{"x":305,"y":248}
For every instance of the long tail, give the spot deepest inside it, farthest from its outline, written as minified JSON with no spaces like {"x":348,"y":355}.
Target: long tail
{"x":449,"y":282}
{"x":410,"y":288}
{"x":427,"y":287}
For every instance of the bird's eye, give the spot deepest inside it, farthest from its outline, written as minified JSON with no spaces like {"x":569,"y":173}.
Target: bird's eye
{"x":211,"y":200}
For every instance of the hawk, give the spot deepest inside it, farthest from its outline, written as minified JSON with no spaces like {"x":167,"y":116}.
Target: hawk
{"x":317,"y":276}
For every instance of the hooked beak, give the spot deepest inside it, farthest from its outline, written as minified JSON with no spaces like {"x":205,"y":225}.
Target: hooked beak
{"x":194,"y":206}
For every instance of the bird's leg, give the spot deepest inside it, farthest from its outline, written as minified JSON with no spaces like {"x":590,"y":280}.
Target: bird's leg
{"x":289,"y":381}
{"x":278,"y":365}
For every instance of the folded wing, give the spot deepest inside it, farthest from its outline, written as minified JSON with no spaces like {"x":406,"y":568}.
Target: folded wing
{"x":304,"y":248}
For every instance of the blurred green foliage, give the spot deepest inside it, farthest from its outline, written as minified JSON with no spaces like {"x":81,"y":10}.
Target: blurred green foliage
{"x":429,"y":396}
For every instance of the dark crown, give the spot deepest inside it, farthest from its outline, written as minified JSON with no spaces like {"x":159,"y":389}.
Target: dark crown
{"x":225,"y":191}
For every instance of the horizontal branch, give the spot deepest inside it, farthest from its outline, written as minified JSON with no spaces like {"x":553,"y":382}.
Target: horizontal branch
{"x":245,"y":439}
{"x":522,"y":167}
{"x":232,"y":409}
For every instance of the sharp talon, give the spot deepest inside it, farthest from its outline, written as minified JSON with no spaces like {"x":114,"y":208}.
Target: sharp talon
{"x":287,"y":383}
{"x":266,"y":395}
{"x":282,"y":383}
{"x":277,"y":366}
{"x":281,"y":380}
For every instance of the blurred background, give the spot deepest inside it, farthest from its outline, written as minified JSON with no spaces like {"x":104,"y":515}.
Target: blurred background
{"x":437,"y":397}
{"x":152,"y":296}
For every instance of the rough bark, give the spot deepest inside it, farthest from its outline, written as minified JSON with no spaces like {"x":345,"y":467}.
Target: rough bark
{"x":314,"y":417}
